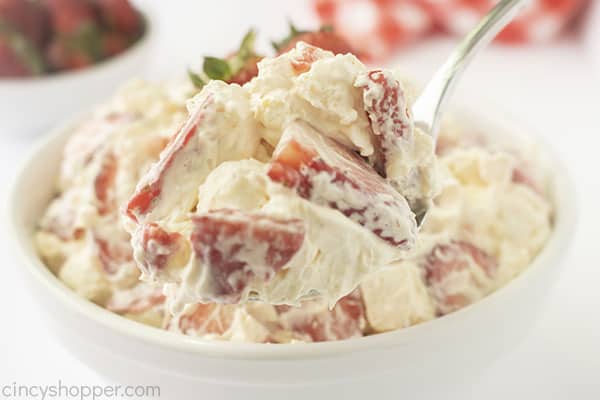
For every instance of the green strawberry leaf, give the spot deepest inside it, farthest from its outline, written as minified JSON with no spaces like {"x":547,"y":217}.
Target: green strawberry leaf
{"x":246,"y":49}
{"x":216,"y":68}
{"x":223,"y":69}
{"x":244,"y":53}
{"x":196,"y":79}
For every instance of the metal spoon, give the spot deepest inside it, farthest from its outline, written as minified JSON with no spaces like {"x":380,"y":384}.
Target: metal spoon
{"x":431,"y":103}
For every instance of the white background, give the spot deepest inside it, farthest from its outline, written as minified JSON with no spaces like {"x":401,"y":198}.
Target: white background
{"x":550,"y":88}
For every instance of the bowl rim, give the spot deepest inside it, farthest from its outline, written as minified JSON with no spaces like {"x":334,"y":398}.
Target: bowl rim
{"x":565,"y":216}
{"x":132,"y":51}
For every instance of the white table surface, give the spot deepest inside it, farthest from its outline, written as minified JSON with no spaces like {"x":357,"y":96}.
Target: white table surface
{"x":550,"y":88}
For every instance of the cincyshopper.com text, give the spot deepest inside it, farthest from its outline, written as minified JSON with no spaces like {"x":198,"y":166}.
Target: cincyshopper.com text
{"x":62,"y":391}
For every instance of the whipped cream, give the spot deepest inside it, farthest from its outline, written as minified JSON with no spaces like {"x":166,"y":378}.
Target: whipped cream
{"x":287,"y":176}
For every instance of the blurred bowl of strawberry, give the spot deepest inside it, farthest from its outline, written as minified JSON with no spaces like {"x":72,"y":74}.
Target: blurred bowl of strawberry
{"x":58,"y":56}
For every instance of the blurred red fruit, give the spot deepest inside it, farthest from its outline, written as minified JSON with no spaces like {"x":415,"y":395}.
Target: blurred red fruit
{"x":325,"y":39}
{"x":61,"y":56}
{"x":10,"y":63}
{"x":26,"y":17}
{"x":120,"y":16}
{"x":69,"y":17}
{"x":113,"y":43}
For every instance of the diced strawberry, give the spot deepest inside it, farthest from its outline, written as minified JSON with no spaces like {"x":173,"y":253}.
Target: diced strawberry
{"x":88,"y":141}
{"x":60,"y":220}
{"x":389,"y":115}
{"x":136,"y":300}
{"x":455,"y":271}
{"x":113,"y":252}
{"x":149,"y":190}
{"x":120,"y":15}
{"x":104,"y":184}
{"x":344,"y":321}
{"x":206,"y":319}
{"x":237,"y":247}
{"x":307,"y":161}
{"x":159,"y":246}
{"x":304,"y":61}
{"x":142,"y":200}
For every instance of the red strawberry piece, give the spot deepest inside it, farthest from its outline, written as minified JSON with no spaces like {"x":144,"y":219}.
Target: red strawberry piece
{"x":159,"y":246}
{"x":89,"y":140}
{"x":389,"y":115}
{"x":136,"y":300}
{"x":148,"y":194}
{"x":445,"y":262}
{"x":302,"y":62}
{"x":104,"y":184}
{"x":237,"y":247}
{"x":329,"y":174}
{"x":113,"y":252}
{"x":206,"y":319}
{"x":61,"y":218}
{"x":120,"y":15}
{"x":344,"y":321}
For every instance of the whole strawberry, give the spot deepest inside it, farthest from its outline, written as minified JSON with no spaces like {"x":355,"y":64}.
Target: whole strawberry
{"x":71,"y":17}
{"x":61,"y":55}
{"x":324,"y":38}
{"x":18,"y":56}
{"x":26,"y":17}
{"x":77,"y":40}
{"x":239,"y":67}
{"x":10,"y":63}
{"x":120,"y":16}
{"x":113,"y":43}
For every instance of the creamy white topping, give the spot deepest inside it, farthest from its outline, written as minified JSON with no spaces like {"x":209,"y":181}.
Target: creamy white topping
{"x":487,"y":223}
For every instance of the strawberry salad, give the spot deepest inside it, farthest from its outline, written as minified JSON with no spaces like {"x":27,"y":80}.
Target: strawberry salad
{"x":274,"y":199}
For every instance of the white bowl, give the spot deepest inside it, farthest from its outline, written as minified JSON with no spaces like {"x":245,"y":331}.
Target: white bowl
{"x":30,"y":105}
{"x":413,"y":361}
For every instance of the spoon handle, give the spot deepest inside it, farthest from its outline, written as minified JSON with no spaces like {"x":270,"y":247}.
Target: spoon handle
{"x":432,"y":101}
